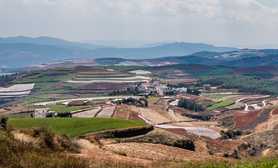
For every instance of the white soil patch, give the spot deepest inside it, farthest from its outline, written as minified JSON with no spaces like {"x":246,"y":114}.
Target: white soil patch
{"x":106,"y":112}
{"x":195,"y":130}
{"x":140,"y":72}
{"x":174,"y":116}
{"x":153,"y":116}
{"x":87,"y":114}
{"x":18,"y":88}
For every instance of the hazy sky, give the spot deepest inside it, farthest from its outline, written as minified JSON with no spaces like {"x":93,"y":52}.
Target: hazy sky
{"x":221,"y":22}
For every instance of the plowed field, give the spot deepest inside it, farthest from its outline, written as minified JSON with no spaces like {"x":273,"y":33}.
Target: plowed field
{"x":244,"y":119}
{"x":122,"y":112}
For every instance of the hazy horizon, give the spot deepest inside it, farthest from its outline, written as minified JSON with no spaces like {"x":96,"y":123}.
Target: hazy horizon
{"x":219,"y":22}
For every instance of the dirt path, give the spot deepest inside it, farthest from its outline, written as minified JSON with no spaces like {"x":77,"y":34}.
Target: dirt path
{"x":269,"y":124}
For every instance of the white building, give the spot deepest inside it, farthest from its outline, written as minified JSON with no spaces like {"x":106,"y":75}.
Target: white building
{"x":44,"y":112}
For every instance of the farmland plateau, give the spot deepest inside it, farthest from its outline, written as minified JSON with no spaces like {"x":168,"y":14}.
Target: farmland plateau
{"x":137,"y":116}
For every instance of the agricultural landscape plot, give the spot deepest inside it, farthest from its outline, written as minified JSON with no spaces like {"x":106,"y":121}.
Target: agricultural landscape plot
{"x":139,"y":97}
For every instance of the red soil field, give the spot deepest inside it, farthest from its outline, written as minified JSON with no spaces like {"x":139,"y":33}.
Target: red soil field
{"x":134,"y":116}
{"x":244,"y":119}
{"x":103,"y":86}
{"x":57,"y":87}
{"x":184,"y":111}
{"x":275,"y":111}
{"x":76,"y":103}
{"x":122,"y":112}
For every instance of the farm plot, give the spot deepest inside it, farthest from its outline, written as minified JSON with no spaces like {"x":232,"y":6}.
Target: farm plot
{"x":131,"y":79}
{"x":134,"y":116}
{"x":161,"y":110}
{"x":17,"y":90}
{"x":195,"y":130}
{"x":88,"y":113}
{"x":244,"y":119}
{"x":156,"y":152}
{"x":221,"y":104}
{"x":153,"y":116}
{"x":75,"y":126}
{"x":174,"y":116}
{"x":122,"y":112}
{"x":106,"y":112}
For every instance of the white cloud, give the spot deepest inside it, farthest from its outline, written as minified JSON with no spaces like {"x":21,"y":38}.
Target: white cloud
{"x":186,"y":20}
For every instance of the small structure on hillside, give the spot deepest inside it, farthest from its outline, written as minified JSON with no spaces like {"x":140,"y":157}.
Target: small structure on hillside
{"x":44,"y":112}
{"x":207,"y":87}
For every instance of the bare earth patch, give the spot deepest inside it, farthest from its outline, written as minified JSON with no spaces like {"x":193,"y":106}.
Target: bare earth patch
{"x":106,"y":112}
{"x":89,"y":113}
{"x":155,"y":152}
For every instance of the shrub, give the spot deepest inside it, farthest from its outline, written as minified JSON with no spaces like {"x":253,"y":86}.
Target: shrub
{"x":185,"y":144}
{"x":66,"y":143}
{"x":46,"y":135}
{"x":3,"y":123}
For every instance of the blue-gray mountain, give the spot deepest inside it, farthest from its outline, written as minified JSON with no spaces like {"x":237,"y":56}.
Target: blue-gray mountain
{"x":25,"y":51}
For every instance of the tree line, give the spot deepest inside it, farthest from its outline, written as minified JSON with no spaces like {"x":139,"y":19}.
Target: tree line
{"x":190,"y":105}
{"x":243,"y":83}
{"x":6,"y":79}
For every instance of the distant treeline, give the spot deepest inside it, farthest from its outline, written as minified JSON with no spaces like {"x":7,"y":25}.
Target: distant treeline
{"x":128,"y":91}
{"x":190,"y":105}
{"x":6,"y":79}
{"x":243,"y":83}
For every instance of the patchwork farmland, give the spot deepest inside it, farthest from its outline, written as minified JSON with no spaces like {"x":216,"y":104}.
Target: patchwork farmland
{"x":226,"y":120}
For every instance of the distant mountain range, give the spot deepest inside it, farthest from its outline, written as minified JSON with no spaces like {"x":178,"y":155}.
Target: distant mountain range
{"x":18,"y":52}
{"x":26,"y":51}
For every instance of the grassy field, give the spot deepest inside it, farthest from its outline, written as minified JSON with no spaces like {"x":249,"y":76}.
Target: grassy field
{"x":63,"y":109}
{"x":18,"y":115}
{"x":221,"y":104}
{"x":33,"y":99}
{"x":220,"y":96}
{"x":75,"y":126}
{"x":153,"y":100}
{"x":44,"y":85}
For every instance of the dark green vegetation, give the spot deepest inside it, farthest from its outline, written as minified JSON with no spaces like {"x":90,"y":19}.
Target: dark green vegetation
{"x":190,"y":105}
{"x":183,"y":143}
{"x":47,"y":153}
{"x":19,"y":115}
{"x":243,"y":83}
{"x":194,"y":70}
{"x":76,"y":126}
{"x":221,"y":104}
{"x":127,"y":91}
{"x":6,"y":79}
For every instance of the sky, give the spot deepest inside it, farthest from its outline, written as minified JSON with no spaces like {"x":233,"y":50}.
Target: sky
{"x":220,"y":22}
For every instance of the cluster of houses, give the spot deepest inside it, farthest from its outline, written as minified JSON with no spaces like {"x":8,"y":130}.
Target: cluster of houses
{"x":156,"y":86}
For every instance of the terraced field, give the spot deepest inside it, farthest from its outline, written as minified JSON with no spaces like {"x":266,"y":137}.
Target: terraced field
{"x":106,"y":112}
{"x":75,"y":126}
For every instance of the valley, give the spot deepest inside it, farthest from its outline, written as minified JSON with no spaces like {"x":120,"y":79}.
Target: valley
{"x":174,"y":107}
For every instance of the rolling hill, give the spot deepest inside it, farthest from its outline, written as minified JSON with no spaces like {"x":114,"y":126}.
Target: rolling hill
{"x":23,"y":51}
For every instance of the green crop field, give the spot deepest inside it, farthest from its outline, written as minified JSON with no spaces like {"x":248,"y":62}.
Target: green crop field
{"x":44,"y":85}
{"x":18,"y":115}
{"x":221,"y":104}
{"x":153,"y":100}
{"x":63,"y":108}
{"x":33,"y":99}
{"x":219,"y":96}
{"x":75,"y":126}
